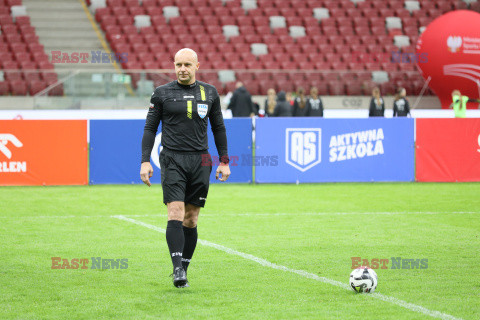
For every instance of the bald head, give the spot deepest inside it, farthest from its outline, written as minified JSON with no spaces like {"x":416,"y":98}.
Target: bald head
{"x":186,"y":64}
{"x":186,"y":53}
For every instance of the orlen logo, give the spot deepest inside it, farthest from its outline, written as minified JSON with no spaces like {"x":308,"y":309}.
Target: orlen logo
{"x":454,"y":43}
{"x":10,"y":166}
{"x":303,"y":147}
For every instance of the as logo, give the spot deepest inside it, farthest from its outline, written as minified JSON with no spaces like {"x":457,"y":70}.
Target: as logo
{"x":202,"y":110}
{"x":454,"y":43}
{"x":303,"y":147}
{"x":4,"y":139}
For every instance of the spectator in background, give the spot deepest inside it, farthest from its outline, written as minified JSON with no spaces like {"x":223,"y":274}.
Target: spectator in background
{"x":377,"y":105}
{"x":283,"y":107}
{"x":256,"y":108}
{"x":314,"y":104}
{"x":289,"y":98}
{"x":401,"y":107}
{"x":300,"y":104}
{"x":459,"y":104}
{"x":270,"y":102}
{"x":241,"y":103}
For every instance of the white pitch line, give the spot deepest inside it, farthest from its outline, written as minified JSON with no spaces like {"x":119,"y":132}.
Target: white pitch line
{"x":248,"y":214}
{"x":337,"y":213}
{"x":73,"y":216}
{"x":303,"y":273}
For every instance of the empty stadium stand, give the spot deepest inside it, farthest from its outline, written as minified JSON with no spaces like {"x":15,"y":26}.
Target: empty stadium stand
{"x":26,"y":68}
{"x":344,"y":47}
{"x":357,"y":37}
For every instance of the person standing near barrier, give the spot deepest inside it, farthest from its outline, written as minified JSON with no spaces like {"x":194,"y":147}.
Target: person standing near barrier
{"x":241,"y":102}
{"x":184,"y":107}
{"x":377,"y":105}
{"x":300,"y":104}
{"x":401,"y":107}
{"x":314,"y":104}
{"x":270,"y":102}
{"x":283,"y":107}
{"x":459,"y":104}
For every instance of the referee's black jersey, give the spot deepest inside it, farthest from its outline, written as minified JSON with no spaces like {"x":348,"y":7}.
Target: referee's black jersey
{"x":184,"y":111}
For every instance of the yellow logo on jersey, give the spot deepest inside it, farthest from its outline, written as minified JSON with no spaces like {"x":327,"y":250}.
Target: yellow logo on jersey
{"x":189,"y":109}
{"x":202,"y":93}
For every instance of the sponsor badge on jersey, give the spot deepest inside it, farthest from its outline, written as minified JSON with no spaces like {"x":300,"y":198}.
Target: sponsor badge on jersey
{"x":202,"y":110}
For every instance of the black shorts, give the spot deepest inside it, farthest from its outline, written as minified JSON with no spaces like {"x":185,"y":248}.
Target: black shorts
{"x":185,"y":176}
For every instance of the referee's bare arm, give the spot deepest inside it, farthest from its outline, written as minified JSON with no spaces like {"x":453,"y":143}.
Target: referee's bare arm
{"x":151,"y":126}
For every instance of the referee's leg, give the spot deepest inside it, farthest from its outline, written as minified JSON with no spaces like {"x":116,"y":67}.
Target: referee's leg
{"x":190,"y":233}
{"x":176,"y":240}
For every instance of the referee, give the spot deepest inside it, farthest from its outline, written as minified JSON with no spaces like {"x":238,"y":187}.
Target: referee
{"x":184,"y":106}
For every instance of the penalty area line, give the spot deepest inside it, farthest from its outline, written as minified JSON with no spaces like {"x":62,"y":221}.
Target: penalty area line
{"x":303,"y":273}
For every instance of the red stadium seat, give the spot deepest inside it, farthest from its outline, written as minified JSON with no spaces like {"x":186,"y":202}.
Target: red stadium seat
{"x":402,"y":13}
{"x":337,"y":12}
{"x":313,"y":30}
{"x":260,"y":21}
{"x":5,"y":20}
{"x":221,"y":11}
{"x":461,"y":5}
{"x":5,"y":59}
{"x":336,"y":88}
{"x":35,"y":86}
{"x":218,"y":38}
{"x":253,"y":38}
{"x":227,"y":20}
{"x":22,"y":20}
{"x":268,"y":12}
{"x":18,"y":87}
{"x":117,"y":11}
{"x":281,"y":31}
{"x":347,"y":4}
{"x":9,"y":28}
{"x":350,"y":12}
{"x":244,"y":21}
{"x":346,"y":30}
{"x":303,"y":40}
{"x":327,"y":30}
{"x":214,"y":29}
{"x":13,"y":2}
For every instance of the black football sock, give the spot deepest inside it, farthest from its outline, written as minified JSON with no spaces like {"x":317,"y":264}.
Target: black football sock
{"x":191,"y":236}
{"x":175,"y":241}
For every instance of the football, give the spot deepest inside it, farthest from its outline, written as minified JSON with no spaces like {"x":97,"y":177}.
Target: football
{"x":363,"y":280}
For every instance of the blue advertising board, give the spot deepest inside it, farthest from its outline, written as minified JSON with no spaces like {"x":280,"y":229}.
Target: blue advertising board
{"x":115,"y":151}
{"x":302,"y":150}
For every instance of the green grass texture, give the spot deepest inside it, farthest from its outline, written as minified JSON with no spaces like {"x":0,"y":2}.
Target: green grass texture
{"x":309,"y":233}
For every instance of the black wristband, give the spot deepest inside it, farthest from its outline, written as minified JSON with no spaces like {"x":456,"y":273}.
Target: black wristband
{"x":224,"y":159}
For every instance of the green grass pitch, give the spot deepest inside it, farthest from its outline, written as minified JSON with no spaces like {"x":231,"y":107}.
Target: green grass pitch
{"x":315,"y":229}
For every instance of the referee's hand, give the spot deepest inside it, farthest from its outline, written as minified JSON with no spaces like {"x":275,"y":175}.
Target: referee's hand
{"x":146,"y":172}
{"x":223,"y":172}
